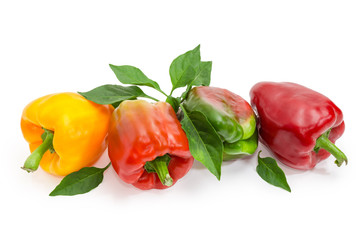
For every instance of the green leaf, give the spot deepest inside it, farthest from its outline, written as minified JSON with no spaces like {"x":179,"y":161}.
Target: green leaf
{"x":131,"y":75}
{"x":184,"y":68}
{"x":174,"y":102}
{"x":269,"y":171}
{"x":202,"y":78}
{"x":203,"y":75}
{"x":204,"y":143}
{"x":113,"y":94}
{"x":80,"y":182}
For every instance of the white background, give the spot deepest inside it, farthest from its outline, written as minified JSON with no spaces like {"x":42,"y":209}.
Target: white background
{"x":49,"y":46}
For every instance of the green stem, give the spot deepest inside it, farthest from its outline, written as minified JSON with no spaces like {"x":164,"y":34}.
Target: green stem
{"x":163,"y":93}
{"x":152,"y":98}
{"x":160,"y":166}
{"x":324,"y":142}
{"x":172,"y":90}
{"x":32,"y":162}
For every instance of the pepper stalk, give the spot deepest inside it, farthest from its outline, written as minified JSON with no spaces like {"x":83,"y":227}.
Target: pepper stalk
{"x":33,"y":161}
{"x":324,"y":143}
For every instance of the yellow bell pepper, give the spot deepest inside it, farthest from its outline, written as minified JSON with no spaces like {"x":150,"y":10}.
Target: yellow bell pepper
{"x":65,"y":132}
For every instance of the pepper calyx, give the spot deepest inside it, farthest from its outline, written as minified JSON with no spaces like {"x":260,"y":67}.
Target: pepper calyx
{"x":43,"y":137}
{"x":160,"y":166}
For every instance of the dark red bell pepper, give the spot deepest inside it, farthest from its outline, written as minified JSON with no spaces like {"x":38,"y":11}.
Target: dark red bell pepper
{"x":299,"y":125}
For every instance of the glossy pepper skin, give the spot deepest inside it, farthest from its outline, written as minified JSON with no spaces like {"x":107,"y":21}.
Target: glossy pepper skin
{"x":79,"y":130}
{"x":230,"y":115}
{"x":291,"y":120}
{"x":141,"y":132}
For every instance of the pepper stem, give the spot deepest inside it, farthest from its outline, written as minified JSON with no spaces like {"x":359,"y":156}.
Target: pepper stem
{"x":324,"y":142}
{"x":160,"y":166}
{"x":33,"y":161}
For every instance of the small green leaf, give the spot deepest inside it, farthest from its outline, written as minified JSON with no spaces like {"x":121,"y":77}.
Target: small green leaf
{"x":203,"y":75}
{"x":204,"y":143}
{"x":184,"y":68}
{"x":174,"y":102}
{"x":113,"y":94}
{"x":202,"y":78}
{"x":269,"y":171}
{"x":132,"y":75}
{"x":80,"y":182}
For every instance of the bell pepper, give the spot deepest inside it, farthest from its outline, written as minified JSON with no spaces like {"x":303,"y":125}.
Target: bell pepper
{"x":299,"y":125}
{"x":231,"y":116}
{"x":65,"y":132}
{"x":147,"y":146}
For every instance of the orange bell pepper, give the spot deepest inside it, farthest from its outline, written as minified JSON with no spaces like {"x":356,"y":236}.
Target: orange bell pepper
{"x":65,"y":132}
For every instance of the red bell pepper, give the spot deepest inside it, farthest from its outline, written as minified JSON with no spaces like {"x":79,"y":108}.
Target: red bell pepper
{"x":147,"y":146}
{"x":299,"y":125}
